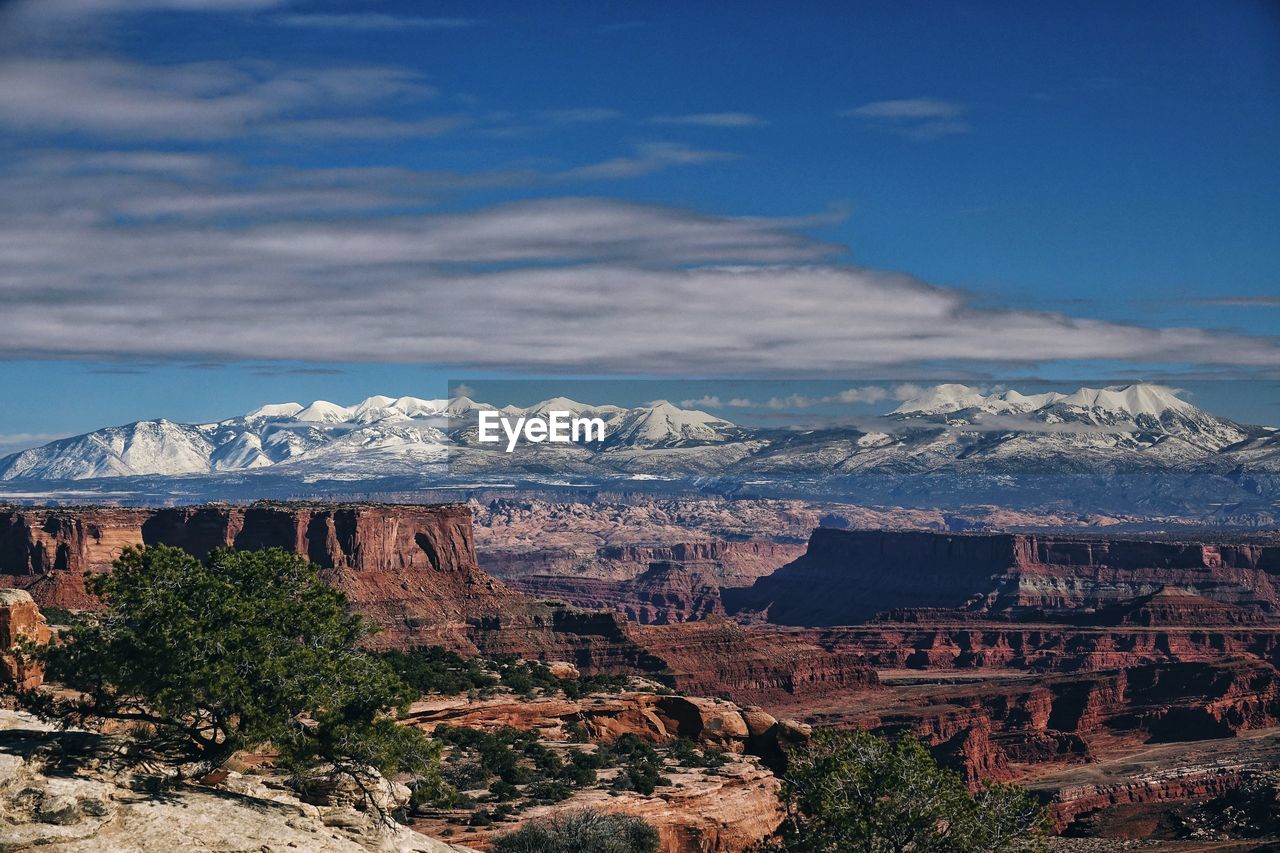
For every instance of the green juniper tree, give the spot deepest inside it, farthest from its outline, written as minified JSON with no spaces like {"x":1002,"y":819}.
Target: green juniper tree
{"x":240,"y":650}
{"x":853,"y":791}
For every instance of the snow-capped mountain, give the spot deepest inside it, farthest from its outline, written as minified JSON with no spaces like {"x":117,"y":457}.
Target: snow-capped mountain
{"x":378,"y":435}
{"x":1130,"y":416}
{"x":321,"y":434}
{"x":662,"y":424}
{"x":947,"y":437}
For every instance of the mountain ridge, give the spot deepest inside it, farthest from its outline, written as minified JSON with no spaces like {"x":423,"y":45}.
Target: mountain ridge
{"x":951,"y":434}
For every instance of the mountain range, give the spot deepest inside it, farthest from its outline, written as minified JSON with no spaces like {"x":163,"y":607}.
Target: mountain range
{"x":948,"y":439}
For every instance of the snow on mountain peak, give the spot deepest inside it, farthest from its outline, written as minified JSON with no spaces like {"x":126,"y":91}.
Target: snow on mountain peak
{"x":1138,"y":399}
{"x":275,"y":410}
{"x":941,"y":399}
{"x":416,"y":407}
{"x":1127,"y":400}
{"x":661,"y":421}
{"x":322,"y":411}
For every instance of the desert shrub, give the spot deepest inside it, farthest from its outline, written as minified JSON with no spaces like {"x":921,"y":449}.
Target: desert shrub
{"x":581,"y":831}
{"x":850,"y":791}
{"x":438,"y":670}
{"x":503,"y":791}
{"x":464,"y":774}
{"x":590,"y":760}
{"x":546,"y":761}
{"x":577,"y":776}
{"x":713,"y":758}
{"x":684,"y":753}
{"x":549,"y":792}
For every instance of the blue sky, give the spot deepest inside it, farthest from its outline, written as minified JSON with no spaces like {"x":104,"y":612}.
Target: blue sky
{"x":207,"y":204}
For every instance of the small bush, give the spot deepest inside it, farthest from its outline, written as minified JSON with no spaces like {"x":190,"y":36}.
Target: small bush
{"x":581,"y":831}
{"x":438,"y":670}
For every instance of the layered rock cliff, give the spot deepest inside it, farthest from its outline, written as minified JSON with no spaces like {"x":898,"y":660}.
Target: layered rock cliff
{"x":848,"y":576}
{"x":666,"y":592}
{"x":412,"y":571}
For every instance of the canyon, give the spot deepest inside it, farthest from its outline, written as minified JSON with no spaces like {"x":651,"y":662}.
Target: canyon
{"x":1064,"y":660}
{"x":412,"y":571}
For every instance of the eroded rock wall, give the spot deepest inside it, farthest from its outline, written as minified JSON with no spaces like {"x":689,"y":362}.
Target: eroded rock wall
{"x":848,"y":576}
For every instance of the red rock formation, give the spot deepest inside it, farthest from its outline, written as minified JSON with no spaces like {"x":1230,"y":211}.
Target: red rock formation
{"x":649,"y":716}
{"x":20,"y":622}
{"x":1009,"y":726}
{"x":1176,"y":607}
{"x":728,"y":563}
{"x":412,"y":570}
{"x":721,"y":658}
{"x":666,"y":592}
{"x":848,"y":576}
{"x":956,"y":641}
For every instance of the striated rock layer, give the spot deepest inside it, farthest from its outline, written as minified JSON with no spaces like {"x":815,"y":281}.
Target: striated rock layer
{"x":666,"y":592}
{"x":848,"y":576}
{"x":412,"y":570}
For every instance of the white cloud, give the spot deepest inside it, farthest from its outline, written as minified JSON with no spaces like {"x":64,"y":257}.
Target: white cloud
{"x":369,"y":21}
{"x":649,"y":157}
{"x":849,"y":396}
{"x":196,"y":100}
{"x":709,"y":402}
{"x":712,"y":120}
{"x":919,"y":119}
{"x":581,"y":284}
{"x":15,"y":441}
{"x":909,"y":108}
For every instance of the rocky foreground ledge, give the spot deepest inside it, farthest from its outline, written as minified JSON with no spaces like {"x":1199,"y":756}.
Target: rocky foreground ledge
{"x":65,"y":791}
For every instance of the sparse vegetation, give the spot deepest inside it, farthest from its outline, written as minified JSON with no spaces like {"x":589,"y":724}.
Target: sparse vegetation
{"x":437,"y":670}
{"x":581,"y":831}
{"x":517,"y":770}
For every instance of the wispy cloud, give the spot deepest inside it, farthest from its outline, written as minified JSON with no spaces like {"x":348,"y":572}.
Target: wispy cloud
{"x":648,"y":158}
{"x":572,"y":283}
{"x":198,"y":100}
{"x":581,"y":115}
{"x":1243,"y":301}
{"x":13,"y":442}
{"x":849,"y":396}
{"x":919,"y":119}
{"x":910,"y":108}
{"x":712,"y":120}
{"x":373,"y":22}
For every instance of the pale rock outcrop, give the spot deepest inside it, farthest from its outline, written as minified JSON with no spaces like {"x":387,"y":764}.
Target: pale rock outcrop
{"x":20,"y":622}
{"x":60,"y":791}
